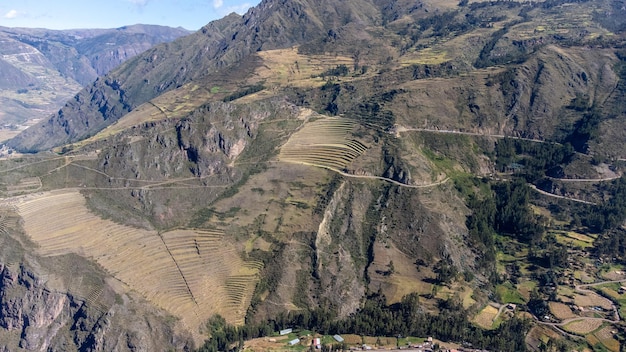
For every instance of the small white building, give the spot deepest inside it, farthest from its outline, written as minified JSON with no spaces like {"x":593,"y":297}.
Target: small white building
{"x":338,"y":338}
{"x":317,"y":342}
{"x":294,"y":342}
{"x":286,"y":331}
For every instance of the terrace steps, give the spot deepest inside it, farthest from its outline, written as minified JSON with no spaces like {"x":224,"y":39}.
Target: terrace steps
{"x":191,"y":273}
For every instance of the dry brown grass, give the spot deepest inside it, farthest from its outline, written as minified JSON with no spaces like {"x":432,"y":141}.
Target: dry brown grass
{"x":561,"y":311}
{"x":583,"y":326}
{"x":6,"y":134}
{"x":171,"y":105}
{"x":192,"y":274}
{"x":25,"y":185}
{"x":405,"y":279}
{"x":485,"y":318}
{"x":286,"y":67}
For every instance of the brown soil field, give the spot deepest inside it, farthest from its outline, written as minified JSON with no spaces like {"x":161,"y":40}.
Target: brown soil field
{"x":561,"y":311}
{"x":590,"y":299}
{"x":583,"y":326}
{"x":326,"y":142}
{"x":485,"y":318}
{"x":605,"y":336}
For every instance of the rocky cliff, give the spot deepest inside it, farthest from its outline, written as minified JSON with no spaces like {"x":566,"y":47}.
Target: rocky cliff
{"x":44,"y":309}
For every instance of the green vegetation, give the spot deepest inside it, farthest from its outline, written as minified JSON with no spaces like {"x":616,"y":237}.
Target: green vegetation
{"x":530,"y":159}
{"x":610,"y":215}
{"x":506,"y":293}
{"x":263,"y":169}
{"x":340,"y":70}
{"x":376,"y":318}
{"x":243,"y":92}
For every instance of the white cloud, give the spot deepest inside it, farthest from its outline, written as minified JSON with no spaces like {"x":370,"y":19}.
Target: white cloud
{"x":11,"y":14}
{"x":240,"y":9}
{"x":218,"y":3}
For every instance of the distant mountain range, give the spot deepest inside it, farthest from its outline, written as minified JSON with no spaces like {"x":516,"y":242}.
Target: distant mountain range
{"x":40,"y":69}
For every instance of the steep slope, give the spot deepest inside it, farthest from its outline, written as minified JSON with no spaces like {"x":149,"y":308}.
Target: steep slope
{"x":42,"y":69}
{"x":273,"y":24}
{"x":310,"y":159}
{"x":45,"y":307}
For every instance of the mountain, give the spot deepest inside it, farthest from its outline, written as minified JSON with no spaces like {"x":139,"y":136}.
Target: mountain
{"x":42,"y":69}
{"x":372,"y":167}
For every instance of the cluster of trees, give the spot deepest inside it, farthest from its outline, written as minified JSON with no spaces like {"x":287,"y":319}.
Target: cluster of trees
{"x":532,"y":160}
{"x":612,"y":244}
{"x":340,"y":70}
{"x":514,"y":216}
{"x":245,"y":91}
{"x":480,"y":225}
{"x":505,"y":210}
{"x":611,"y":214}
{"x":377,"y":318}
{"x":586,"y":129}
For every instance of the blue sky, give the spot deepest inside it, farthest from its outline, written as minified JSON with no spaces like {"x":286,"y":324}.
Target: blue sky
{"x":70,"y":14}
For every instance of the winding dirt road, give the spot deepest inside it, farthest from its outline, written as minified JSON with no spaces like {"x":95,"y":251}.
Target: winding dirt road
{"x":581,"y":289}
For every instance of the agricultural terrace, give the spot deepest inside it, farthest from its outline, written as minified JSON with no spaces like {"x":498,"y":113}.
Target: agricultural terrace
{"x":326,"y":143}
{"x":604,"y":336}
{"x":192,"y":274}
{"x":486,"y":317}
{"x":25,"y":185}
{"x":561,"y":311}
{"x":583,"y":326}
{"x":288,"y":67}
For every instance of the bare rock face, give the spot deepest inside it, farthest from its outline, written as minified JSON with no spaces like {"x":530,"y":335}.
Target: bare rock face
{"x":36,"y":318}
{"x":29,"y":309}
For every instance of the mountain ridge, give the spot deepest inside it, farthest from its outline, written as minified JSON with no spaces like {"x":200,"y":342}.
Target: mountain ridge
{"x":42,"y":69}
{"x":368,"y":167}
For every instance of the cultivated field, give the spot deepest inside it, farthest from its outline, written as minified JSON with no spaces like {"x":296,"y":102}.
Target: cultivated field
{"x":286,"y":67}
{"x":561,"y":311}
{"x":606,"y":338}
{"x":591,"y":299}
{"x":583,"y":326}
{"x":190,"y":273}
{"x":326,"y":143}
{"x":485,"y":318}
{"x":574,"y":238}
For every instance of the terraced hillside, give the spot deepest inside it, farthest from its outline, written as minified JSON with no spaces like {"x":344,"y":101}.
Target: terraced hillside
{"x":327,"y":143}
{"x":381,"y":167}
{"x":192,"y":274}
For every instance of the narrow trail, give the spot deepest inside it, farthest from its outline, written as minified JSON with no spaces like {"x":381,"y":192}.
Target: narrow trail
{"x":370,"y":177}
{"x":401,"y":129}
{"x":581,"y":289}
{"x":559,"y":197}
{"x":591,"y":180}
{"x":501,"y":308}
{"x":180,"y":271}
{"x":30,"y":164}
